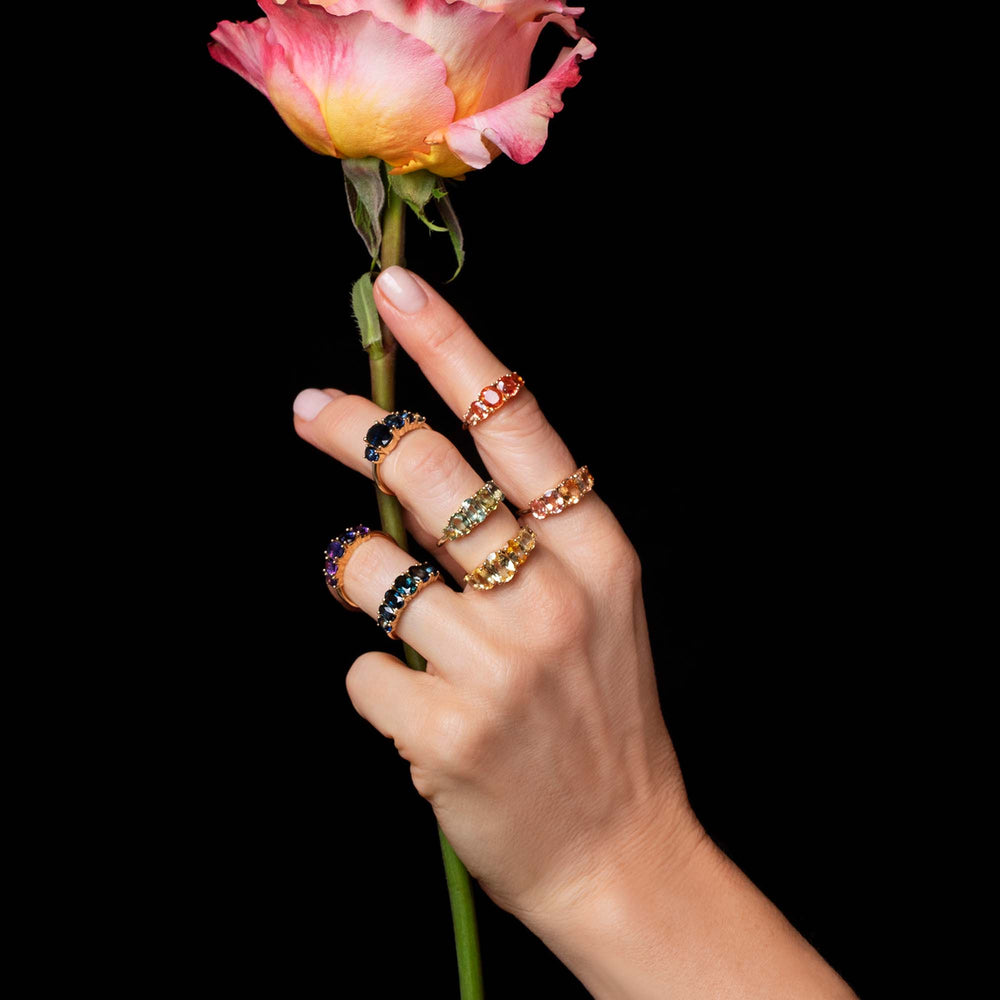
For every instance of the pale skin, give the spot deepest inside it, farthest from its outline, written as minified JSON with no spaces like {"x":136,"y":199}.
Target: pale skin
{"x":536,"y":733}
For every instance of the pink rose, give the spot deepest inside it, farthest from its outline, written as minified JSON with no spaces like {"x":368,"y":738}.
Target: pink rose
{"x":438,"y":85}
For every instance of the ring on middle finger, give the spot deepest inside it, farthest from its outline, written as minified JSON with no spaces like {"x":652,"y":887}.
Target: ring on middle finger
{"x":473,"y":512}
{"x":384,"y":436}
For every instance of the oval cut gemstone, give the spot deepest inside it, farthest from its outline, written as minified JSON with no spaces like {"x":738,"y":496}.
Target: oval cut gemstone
{"x":491,"y":396}
{"x":336,"y":549}
{"x":393,"y":600}
{"x":421,"y":574}
{"x":570,"y":491}
{"x":378,"y":435}
{"x":394,"y":420}
{"x":331,"y":568}
{"x":478,"y":410}
{"x":538,"y":508}
{"x":386,"y":612}
{"x":508,"y":385}
{"x":553,"y":502}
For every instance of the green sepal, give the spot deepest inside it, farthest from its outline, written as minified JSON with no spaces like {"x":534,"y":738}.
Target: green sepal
{"x":366,"y":199}
{"x":416,"y":189}
{"x":366,"y":315}
{"x":450,"y":219}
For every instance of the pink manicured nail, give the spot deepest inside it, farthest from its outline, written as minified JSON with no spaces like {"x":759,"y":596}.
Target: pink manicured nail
{"x":399,"y":287}
{"x":309,"y":402}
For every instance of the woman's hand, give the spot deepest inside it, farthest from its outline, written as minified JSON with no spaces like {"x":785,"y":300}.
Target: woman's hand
{"x":536,"y":732}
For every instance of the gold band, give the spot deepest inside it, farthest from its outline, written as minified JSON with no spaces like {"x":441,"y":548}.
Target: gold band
{"x":569,"y":492}
{"x":384,"y":436}
{"x":500,"y":567}
{"x":473,"y":512}
{"x":338,"y":553}
{"x":404,"y":588}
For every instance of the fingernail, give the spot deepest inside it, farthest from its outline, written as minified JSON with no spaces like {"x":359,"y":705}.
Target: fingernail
{"x":400,"y":288}
{"x":309,"y":402}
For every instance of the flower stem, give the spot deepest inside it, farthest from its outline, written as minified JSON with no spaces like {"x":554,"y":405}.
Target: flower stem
{"x":383,"y":376}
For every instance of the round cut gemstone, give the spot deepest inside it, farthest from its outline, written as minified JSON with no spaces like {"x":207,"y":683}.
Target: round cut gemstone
{"x":364,"y":530}
{"x":394,"y":420}
{"x":478,"y":410}
{"x":371,"y":455}
{"x":386,"y":624}
{"x":491,"y":396}
{"x":508,"y":385}
{"x":336,"y":549}
{"x":378,"y":435}
{"x":538,"y":508}
{"x":349,"y":535}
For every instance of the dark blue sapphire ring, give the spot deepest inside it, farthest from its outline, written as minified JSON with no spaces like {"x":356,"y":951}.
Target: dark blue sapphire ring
{"x":402,"y":591}
{"x":383,"y":437}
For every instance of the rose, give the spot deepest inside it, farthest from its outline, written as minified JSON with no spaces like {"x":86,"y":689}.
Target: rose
{"x":439,"y":85}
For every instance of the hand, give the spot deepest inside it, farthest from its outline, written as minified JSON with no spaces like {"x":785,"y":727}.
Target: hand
{"x":536,"y":732}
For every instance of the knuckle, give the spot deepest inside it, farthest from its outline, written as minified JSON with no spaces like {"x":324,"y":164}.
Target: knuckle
{"x":437,"y":338}
{"x":459,"y":738}
{"x":432,"y":460}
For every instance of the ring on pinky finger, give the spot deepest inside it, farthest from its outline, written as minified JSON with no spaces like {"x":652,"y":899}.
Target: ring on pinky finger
{"x":404,"y":588}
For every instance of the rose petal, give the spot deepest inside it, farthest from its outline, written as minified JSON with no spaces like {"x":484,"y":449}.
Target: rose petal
{"x":519,"y":126}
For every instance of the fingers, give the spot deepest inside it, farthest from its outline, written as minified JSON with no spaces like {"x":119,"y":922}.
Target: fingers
{"x":424,"y":469}
{"x":432,"y":621}
{"x":521,"y":449}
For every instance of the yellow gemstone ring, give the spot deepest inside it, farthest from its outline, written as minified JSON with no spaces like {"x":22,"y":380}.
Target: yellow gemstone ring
{"x":500,"y":566}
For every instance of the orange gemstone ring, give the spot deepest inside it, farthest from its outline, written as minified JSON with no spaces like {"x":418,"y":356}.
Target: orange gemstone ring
{"x":492,"y":398}
{"x":570,"y":491}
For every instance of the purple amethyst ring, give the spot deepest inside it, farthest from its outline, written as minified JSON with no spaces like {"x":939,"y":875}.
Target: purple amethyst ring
{"x":337,"y":554}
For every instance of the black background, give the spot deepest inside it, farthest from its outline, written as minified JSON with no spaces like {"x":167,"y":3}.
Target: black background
{"x":672,"y":275}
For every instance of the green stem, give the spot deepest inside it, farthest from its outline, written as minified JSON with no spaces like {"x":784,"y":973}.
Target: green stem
{"x":382,"y":362}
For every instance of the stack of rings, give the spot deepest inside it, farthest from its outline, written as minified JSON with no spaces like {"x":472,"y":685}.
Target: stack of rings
{"x":384,"y":436}
{"x":402,"y":591}
{"x":473,"y":512}
{"x":338,"y":552}
{"x":500,"y":566}
{"x":569,"y":492}
{"x":492,"y":398}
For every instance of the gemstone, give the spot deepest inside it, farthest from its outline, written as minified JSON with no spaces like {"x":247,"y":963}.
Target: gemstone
{"x":587,"y":479}
{"x":349,"y":535}
{"x":394,"y":420}
{"x":508,"y":385}
{"x":478,"y":411}
{"x":405,"y":584}
{"x":378,"y":436}
{"x":371,"y":455}
{"x":457,"y":523}
{"x":570,"y":491}
{"x":538,"y":508}
{"x":386,"y":613}
{"x":386,"y":624}
{"x":363,"y":530}
{"x":331,"y":568}
{"x":393,"y":600}
{"x":491,"y":397}
{"x":553,"y":502}
{"x":335,"y":549}
{"x":420,"y":574}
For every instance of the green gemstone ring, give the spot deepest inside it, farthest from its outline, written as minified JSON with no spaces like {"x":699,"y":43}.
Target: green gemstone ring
{"x":473,"y":512}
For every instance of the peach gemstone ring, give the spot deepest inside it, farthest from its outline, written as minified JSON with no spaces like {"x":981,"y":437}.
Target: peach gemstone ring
{"x":569,"y":492}
{"x":492,"y":398}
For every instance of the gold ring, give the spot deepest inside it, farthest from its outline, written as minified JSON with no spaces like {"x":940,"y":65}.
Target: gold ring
{"x":404,"y":588}
{"x":384,"y":436}
{"x":570,"y":491}
{"x":492,"y":398}
{"x":338,"y":552}
{"x":500,"y":566}
{"x":473,"y":512}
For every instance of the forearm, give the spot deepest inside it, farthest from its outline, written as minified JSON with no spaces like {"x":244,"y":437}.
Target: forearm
{"x":692,"y":926}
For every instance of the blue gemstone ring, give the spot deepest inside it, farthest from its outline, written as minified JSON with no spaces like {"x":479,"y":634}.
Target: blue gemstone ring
{"x":383,"y":437}
{"x":338,"y":552}
{"x":402,"y":591}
